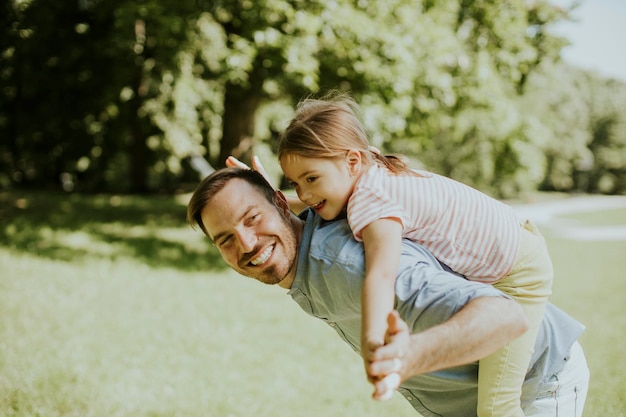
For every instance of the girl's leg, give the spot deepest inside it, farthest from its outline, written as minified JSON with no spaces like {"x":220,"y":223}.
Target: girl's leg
{"x":500,"y":375}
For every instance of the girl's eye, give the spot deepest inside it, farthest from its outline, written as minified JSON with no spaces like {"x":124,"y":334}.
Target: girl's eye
{"x":311,"y":179}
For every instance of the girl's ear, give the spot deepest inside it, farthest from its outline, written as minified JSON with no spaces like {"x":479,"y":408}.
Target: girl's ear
{"x":354,"y":160}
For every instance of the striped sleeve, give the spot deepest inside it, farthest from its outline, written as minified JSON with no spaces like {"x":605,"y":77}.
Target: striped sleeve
{"x":370,"y":202}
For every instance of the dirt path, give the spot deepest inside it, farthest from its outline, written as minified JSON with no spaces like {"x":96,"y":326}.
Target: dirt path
{"x":547,"y":215}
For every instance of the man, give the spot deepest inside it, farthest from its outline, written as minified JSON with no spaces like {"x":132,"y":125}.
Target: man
{"x":443,"y":324}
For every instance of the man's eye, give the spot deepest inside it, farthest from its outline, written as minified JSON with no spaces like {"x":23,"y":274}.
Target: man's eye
{"x":224,"y":242}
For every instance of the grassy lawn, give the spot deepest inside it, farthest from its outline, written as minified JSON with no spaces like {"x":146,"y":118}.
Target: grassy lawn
{"x":113,"y":306}
{"x":600,"y":218}
{"x":589,"y":284}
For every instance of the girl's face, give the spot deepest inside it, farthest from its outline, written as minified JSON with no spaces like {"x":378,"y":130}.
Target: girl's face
{"x":324,"y":184}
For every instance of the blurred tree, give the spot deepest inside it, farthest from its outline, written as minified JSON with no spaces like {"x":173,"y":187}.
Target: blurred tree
{"x":583,"y":129}
{"x":464,"y":115}
{"x":119,"y":94}
{"x":75,"y":76}
{"x":606,"y":101}
{"x":436,"y":80}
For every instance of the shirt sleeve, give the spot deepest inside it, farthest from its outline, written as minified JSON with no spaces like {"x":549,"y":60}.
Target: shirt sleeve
{"x":367,"y":205}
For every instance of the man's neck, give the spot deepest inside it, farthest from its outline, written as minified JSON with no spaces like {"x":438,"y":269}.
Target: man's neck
{"x":298,"y":226}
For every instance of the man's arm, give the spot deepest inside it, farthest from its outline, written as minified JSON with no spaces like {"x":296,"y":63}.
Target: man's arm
{"x":480,"y":328}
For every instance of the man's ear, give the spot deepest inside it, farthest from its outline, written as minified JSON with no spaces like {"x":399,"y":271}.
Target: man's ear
{"x":281,"y":202}
{"x":354,"y":159}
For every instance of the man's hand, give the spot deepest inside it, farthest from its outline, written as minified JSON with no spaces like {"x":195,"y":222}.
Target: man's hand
{"x":481,"y":327}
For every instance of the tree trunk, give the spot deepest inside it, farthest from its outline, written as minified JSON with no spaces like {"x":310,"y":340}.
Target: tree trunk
{"x":240,"y":107}
{"x":139,"y":149}
{"x":139,"y":159}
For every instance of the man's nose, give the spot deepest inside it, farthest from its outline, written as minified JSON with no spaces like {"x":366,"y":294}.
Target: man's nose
{"x":247,"y":241}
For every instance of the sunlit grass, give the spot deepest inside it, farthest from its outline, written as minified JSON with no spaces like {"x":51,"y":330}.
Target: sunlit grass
{"x":94,"y":322}
{"x":590,"y":285}
{"x":113,"y":306}
{"x":600,"y":218}
{"x":120,"y":338}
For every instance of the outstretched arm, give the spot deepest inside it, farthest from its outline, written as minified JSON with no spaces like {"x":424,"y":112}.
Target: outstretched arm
{"x":480,"y":328}
{"x":382,"y":240}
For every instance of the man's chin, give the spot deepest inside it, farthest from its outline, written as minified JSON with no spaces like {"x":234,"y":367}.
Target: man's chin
{"x":271,"y":280}
{"x":265,"y":277}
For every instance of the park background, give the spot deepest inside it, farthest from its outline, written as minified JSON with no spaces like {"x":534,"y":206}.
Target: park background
{"x":111,"y":111}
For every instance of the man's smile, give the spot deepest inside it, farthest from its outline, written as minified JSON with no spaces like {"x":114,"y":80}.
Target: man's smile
{"x":263,"y":257}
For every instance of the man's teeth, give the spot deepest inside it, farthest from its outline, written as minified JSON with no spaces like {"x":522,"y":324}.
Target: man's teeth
{"x":263,"y":257}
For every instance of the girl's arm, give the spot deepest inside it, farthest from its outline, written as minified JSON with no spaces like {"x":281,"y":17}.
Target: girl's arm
{"x":382,"y":240}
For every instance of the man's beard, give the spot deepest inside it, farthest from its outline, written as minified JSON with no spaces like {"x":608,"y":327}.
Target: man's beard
{"x":280,"y":268}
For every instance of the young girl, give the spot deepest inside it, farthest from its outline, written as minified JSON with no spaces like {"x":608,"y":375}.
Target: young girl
{"x":325,"y":154}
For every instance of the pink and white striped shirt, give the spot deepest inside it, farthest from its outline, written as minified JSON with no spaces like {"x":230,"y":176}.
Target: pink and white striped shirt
{"x":472,"y":233}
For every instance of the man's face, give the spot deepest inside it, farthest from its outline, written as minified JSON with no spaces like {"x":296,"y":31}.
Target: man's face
{"x":253,"y":236}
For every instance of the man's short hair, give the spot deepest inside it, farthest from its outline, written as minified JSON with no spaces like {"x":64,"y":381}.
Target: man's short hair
{"x":215,"y":182}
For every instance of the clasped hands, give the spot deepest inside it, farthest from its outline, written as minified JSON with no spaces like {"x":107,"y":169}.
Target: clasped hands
{"x":385,"y":365}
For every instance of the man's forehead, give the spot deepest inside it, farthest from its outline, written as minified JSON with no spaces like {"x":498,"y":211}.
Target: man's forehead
{"x":236,"y":189}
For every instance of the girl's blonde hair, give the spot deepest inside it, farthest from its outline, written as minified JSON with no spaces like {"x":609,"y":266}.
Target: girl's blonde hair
{"x":328,"y":128}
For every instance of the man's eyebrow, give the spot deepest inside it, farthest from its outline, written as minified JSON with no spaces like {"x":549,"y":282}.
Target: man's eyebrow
{"x":224,"y":233}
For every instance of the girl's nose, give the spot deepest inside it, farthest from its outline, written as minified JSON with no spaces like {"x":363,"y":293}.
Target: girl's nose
{"x":304,"y":194}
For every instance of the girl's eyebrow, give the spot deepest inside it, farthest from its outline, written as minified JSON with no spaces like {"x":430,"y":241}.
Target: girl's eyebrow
{"x":306,"y":173}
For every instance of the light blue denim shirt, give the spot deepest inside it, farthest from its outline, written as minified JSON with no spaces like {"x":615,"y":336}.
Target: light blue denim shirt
{"x":329,"y":277}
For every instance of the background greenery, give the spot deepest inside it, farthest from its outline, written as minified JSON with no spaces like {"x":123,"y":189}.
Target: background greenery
{"x":112,"y":306}
{"x":121,"y":95}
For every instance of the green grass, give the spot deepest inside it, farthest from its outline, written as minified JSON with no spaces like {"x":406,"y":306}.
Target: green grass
{"x":600,"y":218}
{"x":589,"y":284}
{"x":113,"y":306}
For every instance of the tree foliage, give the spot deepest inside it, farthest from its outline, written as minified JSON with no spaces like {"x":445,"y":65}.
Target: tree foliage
{"x":117,"y":95}
{"x":75,"y":77}
{"x":583,"y":137}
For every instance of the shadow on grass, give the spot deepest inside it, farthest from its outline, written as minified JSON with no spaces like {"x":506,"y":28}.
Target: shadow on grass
{"x":149,"y":229}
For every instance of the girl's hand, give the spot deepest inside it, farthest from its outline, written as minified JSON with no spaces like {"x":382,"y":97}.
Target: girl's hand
{"x":386,"y":381}
{"x":386,"y":367}
{"x":233,"y":162}
{"x":294,"y":203}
